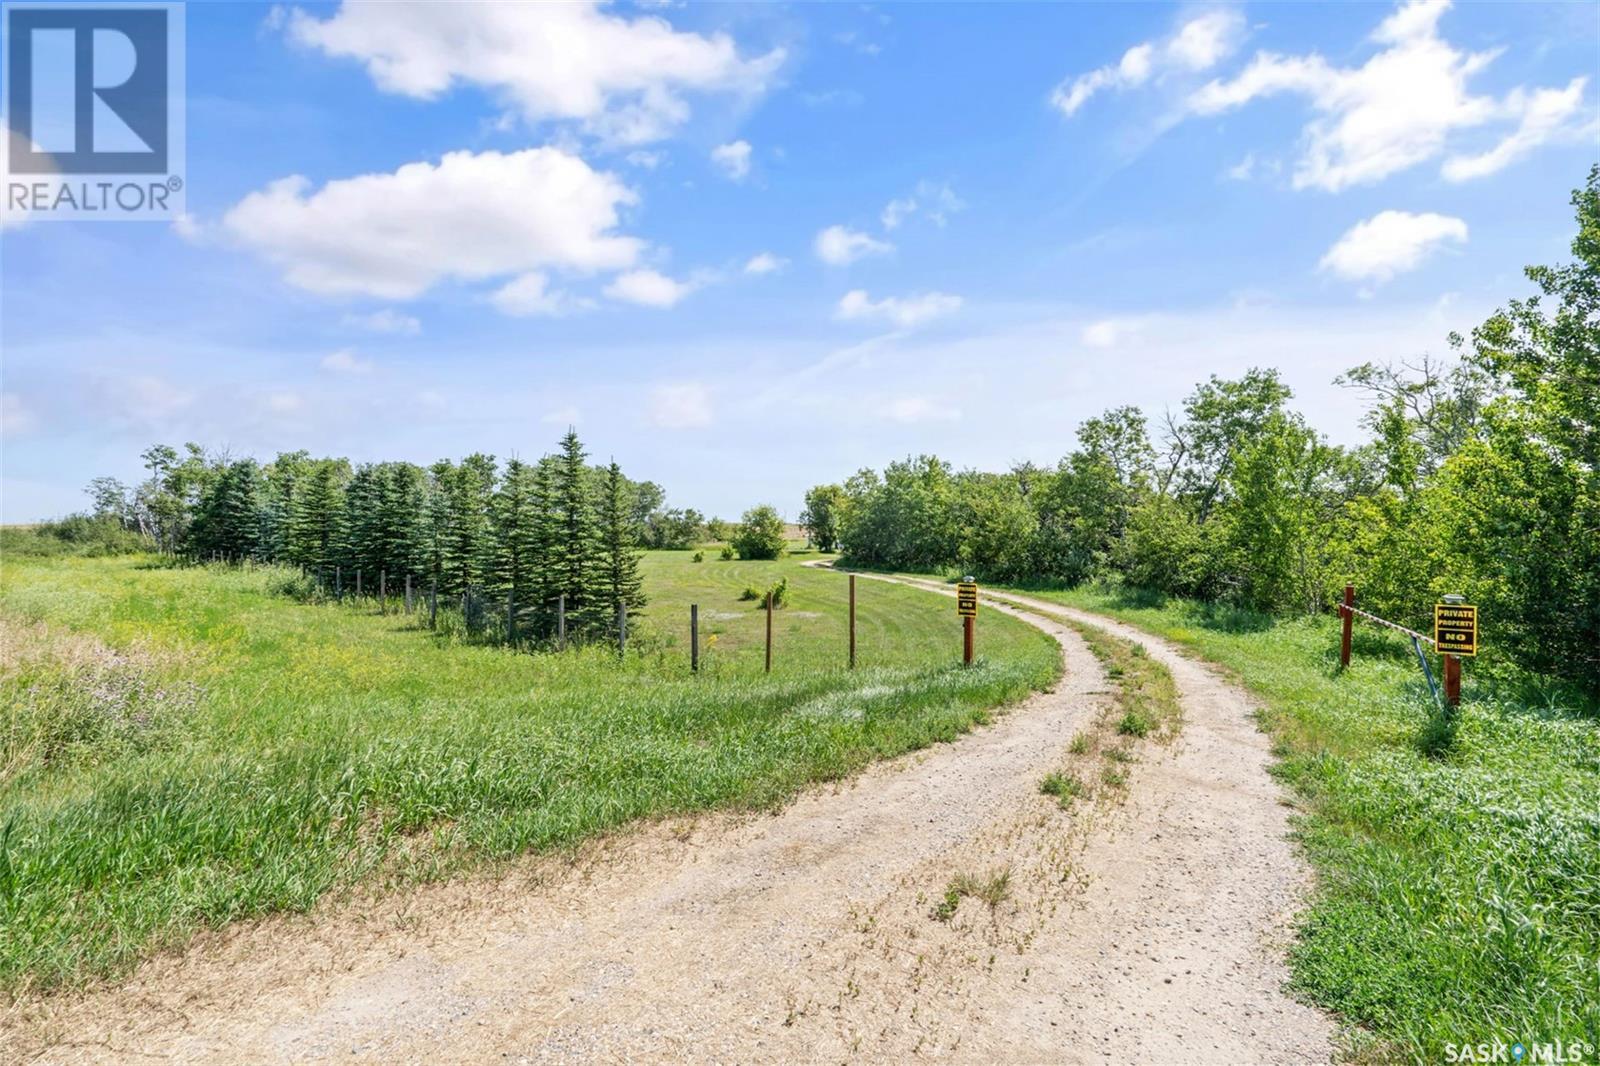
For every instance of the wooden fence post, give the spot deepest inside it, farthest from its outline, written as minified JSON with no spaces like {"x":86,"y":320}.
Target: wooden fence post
{"x":967,"y":627}
{"x":383,"y":591}
{"x":338,"y":582}
{"x":1452,"y":680}
{"x":769,"y":631}
{"x":358,"y":582}
{"x":408,"y":594}
{"x":694,"y":637}
{"x":511,"y":616}
{"x":561,"y":622}
{"x":433,"y":604}
{"x":622,"y":628}
{"x":1349,"y":621}
{"x":852,"y":621}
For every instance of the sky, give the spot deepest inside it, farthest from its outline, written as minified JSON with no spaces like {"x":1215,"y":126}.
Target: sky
{"x":745,"y":249}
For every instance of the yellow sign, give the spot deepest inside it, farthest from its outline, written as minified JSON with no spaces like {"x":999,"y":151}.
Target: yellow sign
{"x":1455,"y":629}
{"x":967,"y":599}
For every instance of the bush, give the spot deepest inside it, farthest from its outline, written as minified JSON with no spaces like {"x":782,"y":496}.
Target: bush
{"x":699,"y":557}
{"x":77,"y":534}
{"x":778,"y":590}
{"x":760,"y":534}
{"x":727,"y":552}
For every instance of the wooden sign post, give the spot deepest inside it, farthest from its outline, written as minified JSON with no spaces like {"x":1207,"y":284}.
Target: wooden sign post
{"x":1455,"y":634}
{"x":967,"y":608}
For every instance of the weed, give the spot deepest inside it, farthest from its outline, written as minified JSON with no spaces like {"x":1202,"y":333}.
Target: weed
{"x":1134,"y":724}
{"x":1080,"y":744}
{"x":1064,"y":787}
{"x":992,"y":888}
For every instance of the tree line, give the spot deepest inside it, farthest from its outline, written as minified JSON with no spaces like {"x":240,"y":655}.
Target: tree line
{"x":525,"y":533}
{"x":1480,"y":476}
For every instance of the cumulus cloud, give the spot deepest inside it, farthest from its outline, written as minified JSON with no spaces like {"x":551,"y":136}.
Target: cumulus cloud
{"x":1399,"y":108}
{"x":346,"y":361}
{"x":680,"y":406}
{"x":647,"y":288}
{"x":620,"y":78}
{"x":765,"y":263}
{"x":468,"y":217}
{"x":839,"y":245}
{"x":1390,"y":243}
{"x":1197,"y":45}
{"x":936,"y":201}
{"x":530,"y":294}
{"x":733,"y":159}
{"x":904,"y":312}
{"x":387,"y":320}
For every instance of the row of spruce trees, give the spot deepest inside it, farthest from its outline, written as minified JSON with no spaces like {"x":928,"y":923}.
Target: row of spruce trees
{"x":527,"y":533}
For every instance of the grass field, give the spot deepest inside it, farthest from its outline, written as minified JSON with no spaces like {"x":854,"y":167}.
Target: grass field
{"x":1458,"y":860}
{"x":185,"y":747}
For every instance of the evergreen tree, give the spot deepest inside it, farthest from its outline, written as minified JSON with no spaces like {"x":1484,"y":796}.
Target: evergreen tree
{"x":314,"y":538}
{"x":619,"y":583}
{"x":575,"y":551}
{"x":515,"y":509}
{"x":227,"y":516}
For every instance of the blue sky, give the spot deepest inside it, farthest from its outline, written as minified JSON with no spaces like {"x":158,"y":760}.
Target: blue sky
{"x":746,"y":249}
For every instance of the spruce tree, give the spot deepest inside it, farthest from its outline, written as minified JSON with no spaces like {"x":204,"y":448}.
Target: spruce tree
{"x":516,"y":533}
{"x":315,"y":533}
{"x":575,"y":554}
{"x":619,"y":558}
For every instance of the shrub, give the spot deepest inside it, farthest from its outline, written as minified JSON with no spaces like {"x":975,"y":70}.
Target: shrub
{"x":699,"y":557}
{"x":727,"y":552}
{"x":760,"y":534}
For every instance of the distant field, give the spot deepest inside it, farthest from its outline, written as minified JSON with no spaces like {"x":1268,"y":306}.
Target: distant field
{"x":1459,"y":867}
{"x":185,"y":747}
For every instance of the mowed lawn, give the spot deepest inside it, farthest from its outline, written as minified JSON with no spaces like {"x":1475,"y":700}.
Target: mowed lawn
{"x":185,"y":747}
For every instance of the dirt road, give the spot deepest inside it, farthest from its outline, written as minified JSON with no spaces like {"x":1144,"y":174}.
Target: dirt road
{"x":1150,"y":930}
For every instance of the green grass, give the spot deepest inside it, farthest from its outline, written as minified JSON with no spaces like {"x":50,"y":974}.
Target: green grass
{"x":1458,"y":859}
{"x":185,"y":748}
{"x":991,"y":888}
{"x":1063,"y":786}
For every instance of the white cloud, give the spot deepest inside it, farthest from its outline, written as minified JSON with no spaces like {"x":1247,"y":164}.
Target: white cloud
{"x":644,"y":160}
{"x":529,"y":294}
{"x":622,"y":79}
{"x":468,"y":217}
{"x":1106,"y":333}
{"x":912,"y":409}
{"x":387,"y":320}
{"x":838,"y":245}
{"x":346,"y":361}
{"x":733,"y":159}
{"x":648,"y":289}
{"x":1390,"y":243}
{"x":682,"y":406}
{"x":1199,"y":44}
{"x":903,"y":312}
{"x":935,"y":200}
{"x":765,"y":263}
{"x":1399,"y":108}
{"x":1545,"y":115}
{"x":15,"y":417}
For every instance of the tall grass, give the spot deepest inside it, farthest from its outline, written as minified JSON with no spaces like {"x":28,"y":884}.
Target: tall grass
{"x":1458,"y":896}
{"x":331,"y":747}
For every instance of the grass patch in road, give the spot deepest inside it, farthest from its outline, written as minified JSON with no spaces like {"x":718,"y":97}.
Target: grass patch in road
{"x":1458,"y":894}
{"x":329,"y":748}
{"x":991,"y":888}
{"x":1064,"y":787}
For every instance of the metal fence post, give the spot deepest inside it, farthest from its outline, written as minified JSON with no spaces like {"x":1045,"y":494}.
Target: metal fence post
{"x":622,"y":628}
{"x":433,"y":604}
{"x":769,"y":631}
{"x":408,"y":594}
{"x":561,"y":622}
{"x":694,"y":637}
